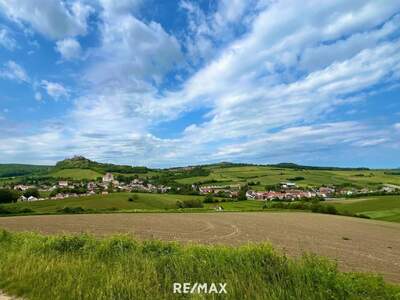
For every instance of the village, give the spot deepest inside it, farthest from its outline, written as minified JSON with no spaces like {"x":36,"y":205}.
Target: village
{"x":284,"y":191}
{"x":65,"y":189}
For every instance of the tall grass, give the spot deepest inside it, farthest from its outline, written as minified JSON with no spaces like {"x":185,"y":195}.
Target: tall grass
{"x":82,"y":267}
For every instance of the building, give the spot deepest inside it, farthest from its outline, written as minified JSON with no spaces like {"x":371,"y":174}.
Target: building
{"x":63,"y":183}
{"x":108,"y":178}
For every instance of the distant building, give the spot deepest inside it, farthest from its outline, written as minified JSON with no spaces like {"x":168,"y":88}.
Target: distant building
{"x":63,"y":183}
{"x":108,"y":178}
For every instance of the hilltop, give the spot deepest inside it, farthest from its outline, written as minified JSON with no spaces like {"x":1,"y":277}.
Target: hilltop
{"x":80,"y":162}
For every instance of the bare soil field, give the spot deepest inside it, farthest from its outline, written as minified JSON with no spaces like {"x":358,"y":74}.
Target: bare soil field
{"x":356,"y":244}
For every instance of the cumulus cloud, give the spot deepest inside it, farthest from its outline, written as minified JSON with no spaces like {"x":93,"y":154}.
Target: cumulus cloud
{"x":53,"y":18}
{"x":54,"y":89}
{"x":6,"y":40}
{"x":270,"y":91}
{"x":132,"y":52}
{"x":13,"y":71}
{"x":69,"y":48}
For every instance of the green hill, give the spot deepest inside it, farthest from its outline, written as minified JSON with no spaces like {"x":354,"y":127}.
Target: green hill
{"x":80,"y":162}
{"x":76,"y":174}
{"x":12,"y":170}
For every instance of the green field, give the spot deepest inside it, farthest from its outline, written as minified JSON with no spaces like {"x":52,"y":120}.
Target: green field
{"x":76,"y":174}
{"x":386,"y":208}
{"x":271,"y":175}
{"x":110,"y":202}
{"x":82,"y":267}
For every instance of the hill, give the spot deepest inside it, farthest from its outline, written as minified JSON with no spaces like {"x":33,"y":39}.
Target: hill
{"x":12,"y":170}
{"x":80,"y":162}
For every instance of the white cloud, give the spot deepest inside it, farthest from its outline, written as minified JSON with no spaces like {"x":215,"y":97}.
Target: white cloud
{"x":6,"y":40}
{"x":54,"y":18}
{"x":264,"y":94}
{"x":69,"y":48}
{"x":14,"y":71}
{"x":112,"y":7}
{"x":54,"y":89}
{"x":132,"y":53}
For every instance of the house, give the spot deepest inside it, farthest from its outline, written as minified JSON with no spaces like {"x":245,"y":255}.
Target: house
{"x":63,"y":183}
{"x":287,"y":185}
{"x":108,"y":177}
{"x":31,"y":198}
{"x":91,"y":186}
{"x":22,"y":199}
{"x":22,"y":187}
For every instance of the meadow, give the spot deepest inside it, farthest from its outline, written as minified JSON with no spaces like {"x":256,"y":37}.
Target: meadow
{"x":83,"y":267}
{"x":76,"y":174}
{"x":266,"y":175}
{"x":386,"y":208}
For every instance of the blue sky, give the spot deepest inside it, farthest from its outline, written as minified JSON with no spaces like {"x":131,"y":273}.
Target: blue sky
{"x":168,"y":83}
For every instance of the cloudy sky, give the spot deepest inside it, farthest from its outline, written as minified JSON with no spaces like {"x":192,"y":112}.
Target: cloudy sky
{"x":169,"y":83}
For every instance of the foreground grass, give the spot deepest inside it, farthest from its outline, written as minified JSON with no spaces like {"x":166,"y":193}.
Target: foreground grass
{"x":80,"y":267}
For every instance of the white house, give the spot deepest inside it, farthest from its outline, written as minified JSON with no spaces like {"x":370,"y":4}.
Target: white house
{"x":31,"y":198}
{"x":108,"y":178}
{"x":63,"y":183}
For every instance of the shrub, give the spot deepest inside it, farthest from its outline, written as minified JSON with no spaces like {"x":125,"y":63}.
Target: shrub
{"x":71,"y":210}
{"x":209,"y":199}
{"x":8,"y":196}
{"x":191,"y":203}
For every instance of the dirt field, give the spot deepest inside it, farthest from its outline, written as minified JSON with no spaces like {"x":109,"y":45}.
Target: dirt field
{"x":356,"y":244}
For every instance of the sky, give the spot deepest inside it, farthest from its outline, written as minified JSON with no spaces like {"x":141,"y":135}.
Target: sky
{"x":174,"y":83}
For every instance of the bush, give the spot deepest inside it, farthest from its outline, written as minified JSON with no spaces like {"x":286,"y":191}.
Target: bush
{"x":14,"y":210}
{"x":8,"y":196}
{"x":71,"y":210}
{"x":191,"y":203}
{"x":208,"y":199}
{"x":133,"y":198}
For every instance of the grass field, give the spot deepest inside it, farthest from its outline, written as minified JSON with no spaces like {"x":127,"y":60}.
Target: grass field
{"x":76,"y":174}
{"x":110,"y":202}
{"x":386,"y":208}
{"x":81,"y":267}
{"x":272,"y":175}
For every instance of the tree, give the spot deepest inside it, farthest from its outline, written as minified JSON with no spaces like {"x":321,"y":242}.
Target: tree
{"x":8,"y":196}
{"x":32,"y":192}
{"x":208,"y":198}
{"x":242,"y":193}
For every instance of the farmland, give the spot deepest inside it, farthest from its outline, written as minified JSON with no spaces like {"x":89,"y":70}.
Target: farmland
{"x":356,"y":244}
{"x":267,"y":175}
{"x":385,"y":208}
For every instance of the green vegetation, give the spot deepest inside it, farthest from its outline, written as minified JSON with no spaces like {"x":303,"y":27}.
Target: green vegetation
{"x":11,"y":170}
{"x":82,"y":267}
{"x":8,"y":196}
{"x":76,"y":174}
{"x":105,"y":203}
{"x":386,"y":208}
{"x":79,"y":162}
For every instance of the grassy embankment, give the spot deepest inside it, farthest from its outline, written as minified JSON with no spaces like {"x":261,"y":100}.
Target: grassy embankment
{"x":81,"y":267}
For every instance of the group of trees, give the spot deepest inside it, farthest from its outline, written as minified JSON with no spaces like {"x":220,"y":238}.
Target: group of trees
{"x":8,"y":196}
